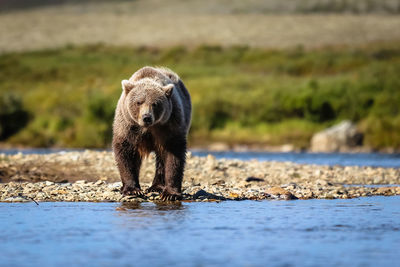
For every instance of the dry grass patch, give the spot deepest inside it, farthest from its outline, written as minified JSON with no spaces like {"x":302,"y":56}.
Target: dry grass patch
{"x":41,"y":28}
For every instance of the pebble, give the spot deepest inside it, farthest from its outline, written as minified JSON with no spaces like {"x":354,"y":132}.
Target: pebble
{"x":93,"y":176}
{"x":16,"y":199}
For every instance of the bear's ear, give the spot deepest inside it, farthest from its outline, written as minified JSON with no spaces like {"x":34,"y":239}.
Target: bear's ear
{"x":168,"y":89}
{"x":127,"y":86}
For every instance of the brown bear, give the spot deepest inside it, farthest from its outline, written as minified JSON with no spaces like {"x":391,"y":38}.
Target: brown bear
{"x":152,"y":114}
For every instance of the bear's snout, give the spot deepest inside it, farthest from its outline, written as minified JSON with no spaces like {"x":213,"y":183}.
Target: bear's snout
{"x":147,"y":119}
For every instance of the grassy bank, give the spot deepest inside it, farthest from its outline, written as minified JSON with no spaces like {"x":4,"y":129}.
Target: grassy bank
{"x":66,"y":97}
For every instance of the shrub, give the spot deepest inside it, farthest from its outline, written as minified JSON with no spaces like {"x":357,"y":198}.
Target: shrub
{"x":13,"y":116}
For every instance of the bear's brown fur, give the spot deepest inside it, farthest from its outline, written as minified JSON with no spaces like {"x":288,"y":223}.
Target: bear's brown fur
{"x":152,"y":114}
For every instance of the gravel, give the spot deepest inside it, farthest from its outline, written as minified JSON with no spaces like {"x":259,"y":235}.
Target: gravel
{"x":92,"y":176}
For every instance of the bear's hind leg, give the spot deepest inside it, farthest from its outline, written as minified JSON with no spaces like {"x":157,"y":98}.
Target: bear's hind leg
{"x":158,"y":182}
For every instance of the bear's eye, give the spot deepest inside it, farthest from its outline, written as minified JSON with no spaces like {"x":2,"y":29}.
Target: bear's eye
{"x":155,"y":105}
{"x":139,"y":102}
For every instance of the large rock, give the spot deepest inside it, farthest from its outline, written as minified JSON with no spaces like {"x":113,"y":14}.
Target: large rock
{"x":340,"y":137}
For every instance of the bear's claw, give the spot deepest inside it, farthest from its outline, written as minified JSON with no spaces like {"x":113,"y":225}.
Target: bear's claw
{"x":132,"y":191}
{"x":167,"y":196}
{"x":155,"y":188}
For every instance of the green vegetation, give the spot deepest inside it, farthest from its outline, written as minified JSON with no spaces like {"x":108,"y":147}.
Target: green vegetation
{"x":240,"y":94}
{"x":12,"y":116}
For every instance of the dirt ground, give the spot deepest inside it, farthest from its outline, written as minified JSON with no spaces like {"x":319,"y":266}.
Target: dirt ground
{"x":52,"y":27}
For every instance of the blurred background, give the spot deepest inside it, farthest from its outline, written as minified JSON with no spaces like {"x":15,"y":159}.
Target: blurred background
{"x":261,"y":73}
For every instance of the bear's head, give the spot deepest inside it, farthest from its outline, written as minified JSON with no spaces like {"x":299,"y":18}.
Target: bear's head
{"x":147,"y":102}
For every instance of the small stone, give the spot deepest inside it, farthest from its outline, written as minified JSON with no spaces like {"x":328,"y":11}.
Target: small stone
{"x":57,"y":192}
{"x":279,"y":193}
{"x":99,"y":182}
{"x":17,"y":199}
{"x":386,"y":191}
{"x":219,"y":182}
{"x":200,"y":193}
{"x":233,"y":195}
{"x":210,"y":157}
{"x":114,"y":185}
{"x":378,"y":180}
{"x":254,"y":179}
{"x":321,"y":182}
{"x":318,"y":172}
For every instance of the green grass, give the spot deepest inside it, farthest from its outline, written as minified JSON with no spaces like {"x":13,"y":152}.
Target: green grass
{"x":240,"y":95}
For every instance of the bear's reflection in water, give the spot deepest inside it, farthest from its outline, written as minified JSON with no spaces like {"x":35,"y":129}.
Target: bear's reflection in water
{"x":143,"y":215}
{"x":158,"y":215}
{"x":156,"y":205}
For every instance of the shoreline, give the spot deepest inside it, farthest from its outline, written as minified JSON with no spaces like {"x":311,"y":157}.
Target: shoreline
{"x":92,"y":176}
{"x":218,"y":147}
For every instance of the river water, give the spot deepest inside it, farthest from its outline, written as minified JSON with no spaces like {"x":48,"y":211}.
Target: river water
{"x":355,"y":232}
{"x":343,"y":159}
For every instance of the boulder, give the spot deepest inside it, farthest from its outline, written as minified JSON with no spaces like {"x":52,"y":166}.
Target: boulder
{"x":340,"y":137}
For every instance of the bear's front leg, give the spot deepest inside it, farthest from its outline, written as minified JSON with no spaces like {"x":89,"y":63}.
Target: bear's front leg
{"x":128,"y":162}
{"x":174,"y":160}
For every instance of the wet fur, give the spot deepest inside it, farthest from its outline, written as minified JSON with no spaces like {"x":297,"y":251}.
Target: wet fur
{"x":131,"y":142}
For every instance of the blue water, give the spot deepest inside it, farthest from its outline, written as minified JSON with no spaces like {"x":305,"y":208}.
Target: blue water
{"x":355,"y":232}
{"x":343,"y":159}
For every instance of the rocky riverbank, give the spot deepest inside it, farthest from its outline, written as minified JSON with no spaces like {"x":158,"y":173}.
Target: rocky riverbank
{"x":92,"y":176}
